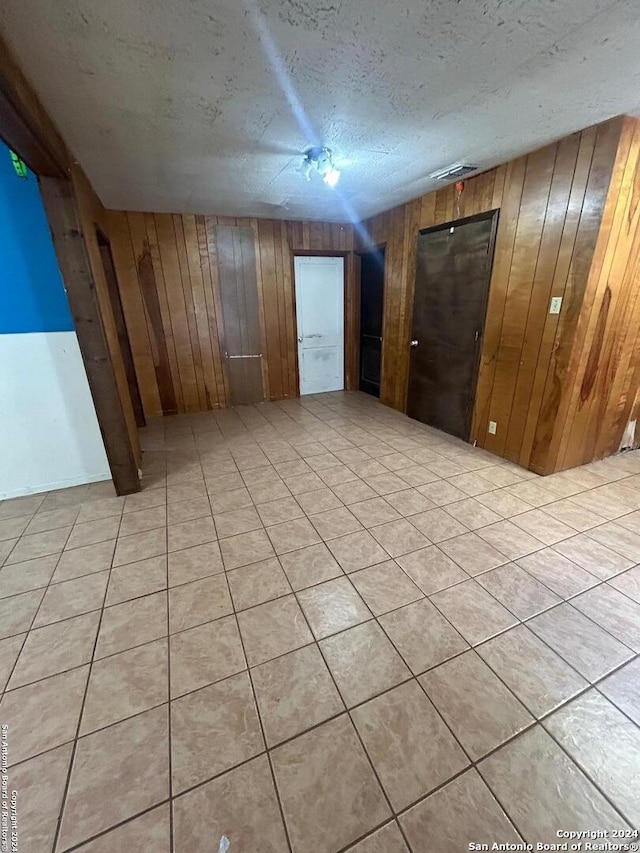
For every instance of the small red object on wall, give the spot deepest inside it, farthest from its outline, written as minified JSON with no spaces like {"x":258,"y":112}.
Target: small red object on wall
{"x":459,"y":186}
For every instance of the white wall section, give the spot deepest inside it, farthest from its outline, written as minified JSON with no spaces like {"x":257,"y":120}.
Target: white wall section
{"x":49,"y":433}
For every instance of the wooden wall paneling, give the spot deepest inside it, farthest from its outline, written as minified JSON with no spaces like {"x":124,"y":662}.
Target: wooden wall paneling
{"x":446,"y":211}
{"x":482,"y":189}
{"x":277,"y":376}
{"x":468,"y":198}
{"x":244,"y":237}
{"x":186,"y":282}
{"x":168,"y":251}
{"x":427,"y":211}
{"x":392,"y":297}
{"x":533,"y":206}
{"x":542,"y":284}
{"x":306,"y":238}
{"x":440,"y":214}
{"x":367,"y":234}
{"x":586,"y":261}
{"x":154,"y":289}
{"x":209,"y":257}
{"x":412,"y":213}
{"x":143,"y":346}
{"x":316,"y":235}
{"x":498,"y":186}
{"x":611,"y":419}
{"x":607,"y":398}
{"x":498,"y":289}
{"x":294,"y":234}
{"x":209,"y":397}
{"x":400,"y":291}
{"x":291,"y":387}
{"x":546,"y":355}
{"x":380,"y":227}
{"x":161,"y":345}
{"x":281,"y":306}
{"x":608,"y":316}
{"x":134,"y":310}
{"x":271,"y":309}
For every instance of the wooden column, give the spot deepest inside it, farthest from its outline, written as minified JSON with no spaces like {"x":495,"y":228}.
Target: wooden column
{"x":60,"y":204}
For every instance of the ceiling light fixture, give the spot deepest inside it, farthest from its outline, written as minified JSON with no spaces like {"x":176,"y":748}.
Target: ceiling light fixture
{"x":321,"y":159}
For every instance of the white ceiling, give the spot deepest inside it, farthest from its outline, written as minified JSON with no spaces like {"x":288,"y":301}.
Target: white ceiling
{"x":206,"y":106}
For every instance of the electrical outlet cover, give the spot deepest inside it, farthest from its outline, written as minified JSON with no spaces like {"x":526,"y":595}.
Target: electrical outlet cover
{"x":556,"y":305}
{"x":493,"y":426}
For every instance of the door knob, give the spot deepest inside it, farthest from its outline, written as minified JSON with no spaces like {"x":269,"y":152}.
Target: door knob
{"x":414,"y":344}
{"x":299,"y":340}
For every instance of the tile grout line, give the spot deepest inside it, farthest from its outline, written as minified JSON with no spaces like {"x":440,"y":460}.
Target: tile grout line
{"x":74,"y":748}
{"x":261,"y":724}
{"x":169,"y":732}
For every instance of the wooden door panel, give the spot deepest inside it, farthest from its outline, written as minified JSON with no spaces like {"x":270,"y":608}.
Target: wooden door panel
{"x":453,"y":269}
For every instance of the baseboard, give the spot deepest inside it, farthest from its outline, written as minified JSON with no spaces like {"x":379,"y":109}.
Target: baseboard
{"x":50,"y":487}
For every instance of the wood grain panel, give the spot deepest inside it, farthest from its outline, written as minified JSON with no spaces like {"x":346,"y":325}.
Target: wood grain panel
{"x":168,"y":272}
{"x":586,"y":256}
{"x":602,"y":380}
{"x":547,"y":351}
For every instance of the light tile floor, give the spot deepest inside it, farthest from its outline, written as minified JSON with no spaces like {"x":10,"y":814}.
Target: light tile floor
{"x":322,"y":626}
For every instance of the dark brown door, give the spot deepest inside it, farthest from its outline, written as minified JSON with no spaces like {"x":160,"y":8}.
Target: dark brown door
{"x":371,"y":311}
{"x":121,"y":326}
{"x":453,"y":270}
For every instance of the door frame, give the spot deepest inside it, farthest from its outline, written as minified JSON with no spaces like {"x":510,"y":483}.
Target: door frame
{"x":377,"y":247}
{"x":494,"y":216}
{"x":349,"y":315}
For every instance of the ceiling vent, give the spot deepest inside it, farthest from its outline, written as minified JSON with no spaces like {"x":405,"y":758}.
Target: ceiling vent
{"x":453,"y":172}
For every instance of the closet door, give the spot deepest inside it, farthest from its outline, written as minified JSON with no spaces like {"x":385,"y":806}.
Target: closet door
{"x":453,"y":272}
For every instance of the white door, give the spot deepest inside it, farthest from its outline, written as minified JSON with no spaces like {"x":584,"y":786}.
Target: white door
{"x":320,"y":316}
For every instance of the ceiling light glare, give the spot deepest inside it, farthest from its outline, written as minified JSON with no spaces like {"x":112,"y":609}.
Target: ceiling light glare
{"x":332,"y":177}
{"x":321,"y":161}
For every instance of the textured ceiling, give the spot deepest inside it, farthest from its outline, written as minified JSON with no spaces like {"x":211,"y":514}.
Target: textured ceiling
{"x":207,"y":105}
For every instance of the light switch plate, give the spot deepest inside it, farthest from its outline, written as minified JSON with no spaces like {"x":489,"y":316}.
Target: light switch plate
{"x":493,"y":426}
{"x":556,"y":305}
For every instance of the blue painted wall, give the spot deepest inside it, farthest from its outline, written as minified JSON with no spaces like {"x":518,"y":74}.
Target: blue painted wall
{"x":32,"y":296}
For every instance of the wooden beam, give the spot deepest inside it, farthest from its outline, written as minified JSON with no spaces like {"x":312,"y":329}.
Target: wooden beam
{"x":60,"y":205}
{"x":24,"y":123}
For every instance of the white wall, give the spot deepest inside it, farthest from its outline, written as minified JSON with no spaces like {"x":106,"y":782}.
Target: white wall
{"x":49,"y":433}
